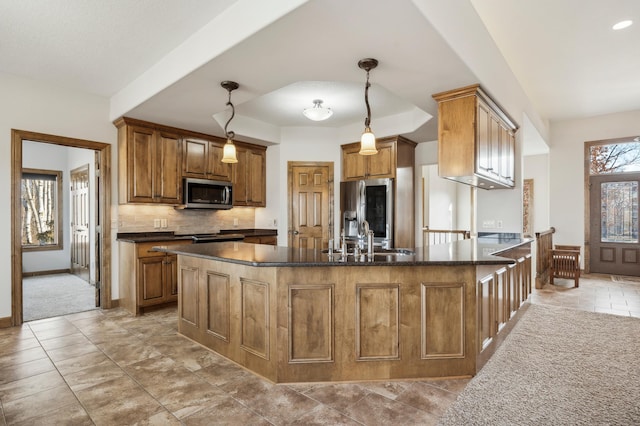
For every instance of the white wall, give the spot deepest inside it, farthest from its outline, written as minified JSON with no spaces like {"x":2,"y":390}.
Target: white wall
{"x":40,"y":107}
{"x":566,"y":164}
{"x":502,"y":206}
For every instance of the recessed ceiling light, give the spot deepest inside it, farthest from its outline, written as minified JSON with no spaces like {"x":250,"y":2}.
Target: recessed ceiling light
{"x":622,"y":24}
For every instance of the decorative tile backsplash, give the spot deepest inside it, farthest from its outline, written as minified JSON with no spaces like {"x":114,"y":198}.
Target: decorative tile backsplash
{"x":142,"y":218}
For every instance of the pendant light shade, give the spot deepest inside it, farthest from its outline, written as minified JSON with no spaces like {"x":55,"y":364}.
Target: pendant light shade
{"x":368,"y":139}
{"x":229,"y":151}
{"x":317,"y":112}
{"x":368,"y":143}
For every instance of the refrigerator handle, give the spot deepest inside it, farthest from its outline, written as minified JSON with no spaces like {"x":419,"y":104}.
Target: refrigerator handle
{"x":362,"y":205}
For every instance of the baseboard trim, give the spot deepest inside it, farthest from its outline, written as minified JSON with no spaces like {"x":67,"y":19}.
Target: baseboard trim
{"x":5,"y":322}
{"x":115,"y":303}
{"x":51,"y":272}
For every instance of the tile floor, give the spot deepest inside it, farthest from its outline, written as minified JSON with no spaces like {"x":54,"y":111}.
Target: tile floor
{"x":109,"y":368}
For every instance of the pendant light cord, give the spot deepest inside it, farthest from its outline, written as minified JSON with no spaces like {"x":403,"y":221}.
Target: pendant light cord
{"x":230,"y":134}
{"x":367,"y":121}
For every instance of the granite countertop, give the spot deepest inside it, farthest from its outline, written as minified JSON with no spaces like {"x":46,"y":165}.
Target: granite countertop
{"x":466,"y":252}
{"x":144,"y":237}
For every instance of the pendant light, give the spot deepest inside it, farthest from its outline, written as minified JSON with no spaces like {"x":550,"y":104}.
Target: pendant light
{"x":229,"y":152}
{"x":368,"y":139}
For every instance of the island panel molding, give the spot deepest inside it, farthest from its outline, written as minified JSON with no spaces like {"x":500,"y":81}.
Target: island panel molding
{"x":218,"y":300}
{"x":343,"y":321}
{"x":254,"y":317}
{"x":378,"y":321}
{"x":311,"y":323}
{"x":442,"y":328}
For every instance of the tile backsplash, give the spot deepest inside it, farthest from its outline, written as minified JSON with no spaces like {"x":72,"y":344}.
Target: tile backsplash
{"x":142,"y":218}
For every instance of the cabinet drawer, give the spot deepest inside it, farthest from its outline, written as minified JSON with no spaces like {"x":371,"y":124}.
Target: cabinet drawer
{"x":144,"y":249}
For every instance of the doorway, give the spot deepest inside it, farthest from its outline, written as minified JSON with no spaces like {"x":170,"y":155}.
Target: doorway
{"x":612,"y":168}
{"x":79,"y":232}
{"x":311,"y":204}
{"x":102,"y":213}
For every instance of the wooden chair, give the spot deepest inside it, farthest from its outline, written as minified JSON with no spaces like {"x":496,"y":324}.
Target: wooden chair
{"x":564,"y":262}
{"x":441,"y":236}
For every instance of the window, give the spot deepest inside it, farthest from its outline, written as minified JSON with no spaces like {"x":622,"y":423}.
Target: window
{"x":619,"y":212}
{"x":615,"y":158}
{"x":41,"y":209}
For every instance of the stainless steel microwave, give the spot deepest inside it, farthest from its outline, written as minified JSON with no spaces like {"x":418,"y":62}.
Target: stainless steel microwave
{"x":207,"y":194}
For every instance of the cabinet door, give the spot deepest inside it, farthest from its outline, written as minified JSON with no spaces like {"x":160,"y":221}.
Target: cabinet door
{"x":256,"y":176}
{"x":140,"y":159}
{"x":483,"y":140}
{"x":353,"y":164}
{"x":195,"y":158}
{"x":151,"y":286}
{"x":382,"y":164}
{"x":171,"y":276}
{"x":507,"y":155}
{"x":218,"y":170}
{"x":240,"y":193}
{"x":168,"y":179}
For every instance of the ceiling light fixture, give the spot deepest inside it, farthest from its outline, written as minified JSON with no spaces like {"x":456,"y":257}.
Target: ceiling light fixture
{"x":317,"y":112}
{"x":229,"y":152}
{"x":622,"y":25}
{"x":368,"y":139}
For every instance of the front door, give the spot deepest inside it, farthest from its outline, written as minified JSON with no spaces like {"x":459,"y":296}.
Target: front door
{"x":80,"y":222}
{"x":615,"y":248}
{"x":310,"y":204}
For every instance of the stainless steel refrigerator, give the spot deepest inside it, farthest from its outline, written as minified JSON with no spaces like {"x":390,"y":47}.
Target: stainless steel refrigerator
{"x":371,"y":201}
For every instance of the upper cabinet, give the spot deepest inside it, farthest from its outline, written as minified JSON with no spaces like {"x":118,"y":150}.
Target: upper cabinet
{"x":149,"y":165}
{"x":203,"y":159}
{"x":384,"y":164}
{"x":249,"y":176}
{"x":153,"y":159}
{"x":476,"y":139}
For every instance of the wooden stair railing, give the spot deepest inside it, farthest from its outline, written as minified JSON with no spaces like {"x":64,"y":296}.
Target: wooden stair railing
{"x":441,"y":236}
{"x":544,"y":245}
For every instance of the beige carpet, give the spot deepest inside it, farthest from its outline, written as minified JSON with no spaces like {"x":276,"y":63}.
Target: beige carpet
{"x":54,"y":295}
{"x":558,"y":366}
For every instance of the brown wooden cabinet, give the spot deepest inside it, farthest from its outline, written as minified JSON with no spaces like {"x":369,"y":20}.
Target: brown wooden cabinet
{"x":149,"y":165}
{"x":263,"y":239}
{"x":203,"y":159}
{"x":154,"y":158}
{"x":476,"y":139}
{"x":147,"y":278}
{"x":378,"y":166}
{"x":249,"y":176}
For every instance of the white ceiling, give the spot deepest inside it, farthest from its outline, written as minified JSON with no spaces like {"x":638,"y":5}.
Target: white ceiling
{"x":563,"y":53}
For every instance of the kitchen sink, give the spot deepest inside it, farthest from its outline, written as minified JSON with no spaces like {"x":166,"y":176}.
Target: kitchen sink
{"x":378,"y":252}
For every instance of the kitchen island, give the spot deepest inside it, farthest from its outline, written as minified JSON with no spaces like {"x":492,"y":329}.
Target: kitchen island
{"x":299,"y":315}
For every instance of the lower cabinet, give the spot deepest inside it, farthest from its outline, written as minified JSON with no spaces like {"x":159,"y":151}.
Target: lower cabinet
{"x":147,"y":278}
{"x":263,"y":239}
{"x":500,"y":293}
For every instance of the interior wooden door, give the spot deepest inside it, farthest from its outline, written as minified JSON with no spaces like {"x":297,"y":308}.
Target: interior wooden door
{"x":80,"y":256}
{"x":310,"y":204}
